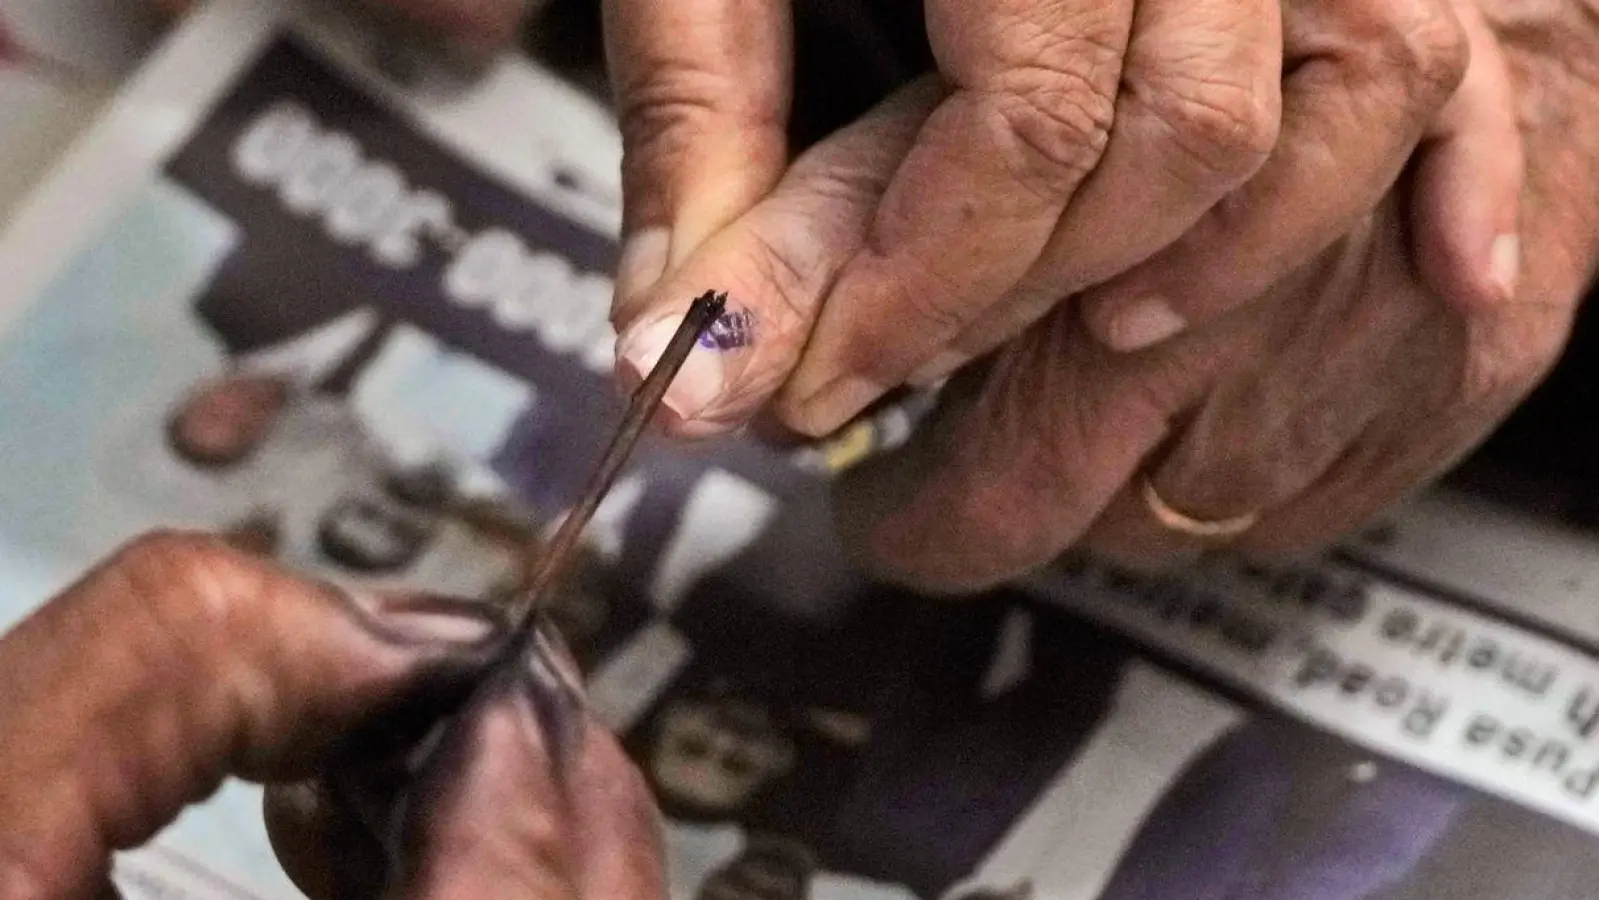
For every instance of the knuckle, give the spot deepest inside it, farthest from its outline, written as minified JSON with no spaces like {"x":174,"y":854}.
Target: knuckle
{"x":191,"y":585}
{"x":1424,"y":52}
{"x":666,"y":109}
{"x":1046,"y":478}
{"x":1438,"y":54}
{"x":801,"y":417}
{"x":165,"y":557}
{"x":661,"y":117}
{"x":840,"y":187}
{"x":1222,"y":132}
{"x":1054,"y":125}
{"x":1505,"y":360}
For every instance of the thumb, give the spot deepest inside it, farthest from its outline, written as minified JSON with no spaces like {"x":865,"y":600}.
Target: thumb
{"x":703,"y":91}
{"x":180,"y":662}
{"x":526,"y":795}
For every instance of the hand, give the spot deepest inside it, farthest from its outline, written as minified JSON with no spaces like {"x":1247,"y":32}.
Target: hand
{"x":1058,"y":146}
{"x":1354,"y":381}
{"x":180,"y":662}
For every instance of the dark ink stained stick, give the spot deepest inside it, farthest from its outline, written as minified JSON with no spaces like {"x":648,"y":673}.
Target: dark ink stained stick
{"x":702,"y":313}
{"x":523,"y":650}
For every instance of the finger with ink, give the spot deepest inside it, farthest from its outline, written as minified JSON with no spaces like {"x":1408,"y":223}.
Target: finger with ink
{"x":716,"y":361}
{"x":774,"y":264}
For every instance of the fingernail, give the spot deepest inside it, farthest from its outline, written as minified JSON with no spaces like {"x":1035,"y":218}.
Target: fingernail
{"x":1505,"y":262}
{"x":942,"y":366}
{"x":839,"y":401}
{"x":642,"y":263}
{"x":427,"y":618}
{"x":1146,"y":322}
{"x":698,"y":385}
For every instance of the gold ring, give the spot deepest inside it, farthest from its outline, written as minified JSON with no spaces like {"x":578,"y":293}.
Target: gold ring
{"x":1186,"y":524}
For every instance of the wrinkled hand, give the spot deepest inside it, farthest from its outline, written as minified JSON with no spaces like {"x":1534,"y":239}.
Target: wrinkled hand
{"x":1193,"y":153}
{"x":1352,"y":382}
{"x":180,"y":662}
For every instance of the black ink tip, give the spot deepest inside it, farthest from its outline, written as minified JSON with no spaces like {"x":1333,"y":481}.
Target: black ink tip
{"x":707,"y":308}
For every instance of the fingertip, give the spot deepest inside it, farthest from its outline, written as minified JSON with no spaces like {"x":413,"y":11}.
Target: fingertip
{"x":1465,"y":209}
{"x":939,"y":370}
{"x":1464,"y":226}
{"x":777,"y":262}
{"x":698,"y":386}
{"x":823,"y":411}
{"x":773,"y":266}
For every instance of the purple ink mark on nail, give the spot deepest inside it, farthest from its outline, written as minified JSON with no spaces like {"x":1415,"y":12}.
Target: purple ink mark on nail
{"x":733,"y":330}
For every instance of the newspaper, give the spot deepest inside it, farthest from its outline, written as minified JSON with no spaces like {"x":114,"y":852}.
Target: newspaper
{"x":422,"y":277}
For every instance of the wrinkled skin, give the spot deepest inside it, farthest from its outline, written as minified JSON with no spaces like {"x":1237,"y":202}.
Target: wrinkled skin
{"x":181,"y":661}
{"x":1484,"y":241}
{"x":1184,"y":155}
{"x":1315,"y":381}
{"x":1352,"y":382}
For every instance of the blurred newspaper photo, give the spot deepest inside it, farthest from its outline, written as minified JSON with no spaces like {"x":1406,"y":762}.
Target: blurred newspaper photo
{"x":361,"y":327}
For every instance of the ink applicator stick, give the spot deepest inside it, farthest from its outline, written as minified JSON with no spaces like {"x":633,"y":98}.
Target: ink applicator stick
{"x":523,"y":619}
{"x":646,"y":402}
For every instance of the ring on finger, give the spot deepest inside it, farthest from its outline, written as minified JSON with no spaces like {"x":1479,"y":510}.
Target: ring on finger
{"x":1174,"y":519}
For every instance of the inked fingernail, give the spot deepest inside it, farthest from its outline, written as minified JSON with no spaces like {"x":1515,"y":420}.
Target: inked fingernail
{"x":420,"y":617}
{"x":1145,"y":323}
{"x":1505,"y":262}
{"x":642,"y":263}
{"x":699,"y":384}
